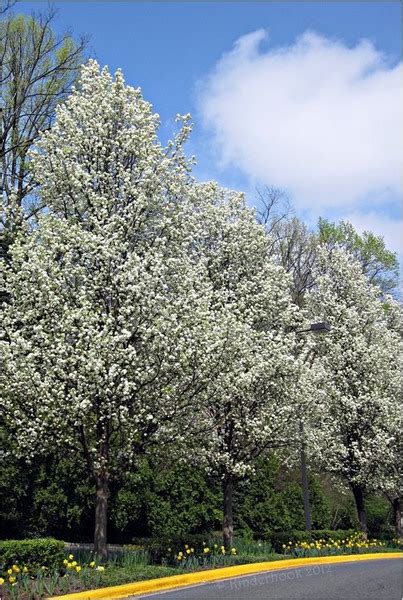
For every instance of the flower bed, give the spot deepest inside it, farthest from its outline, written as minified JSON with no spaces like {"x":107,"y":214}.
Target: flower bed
{"x":353,"y":544}
{"x":25,"y":580}
{"x":26,"y":583}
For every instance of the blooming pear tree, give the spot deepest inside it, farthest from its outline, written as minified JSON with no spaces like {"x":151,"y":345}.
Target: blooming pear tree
{"x":108,"y":338}
{"x":356,"y":433}
{"x":391,"y":482}
{"x":253,"y":401}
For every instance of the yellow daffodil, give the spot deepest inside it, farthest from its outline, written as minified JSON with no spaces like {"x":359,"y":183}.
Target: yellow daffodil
{"x":65,"y":562}
{"x":100,"y":568}
{"x":1,"y":581}
{"x":12,"y":579}
{"x":16,"y":569}
{"x":78,"y":568}
{"x":206,"y":550}
{"x":92,"y":564}
{"x":9,"y":571}
{"x":25,"y":570}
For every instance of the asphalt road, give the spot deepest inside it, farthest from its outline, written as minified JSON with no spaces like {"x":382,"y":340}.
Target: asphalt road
{"x":370,"y":580}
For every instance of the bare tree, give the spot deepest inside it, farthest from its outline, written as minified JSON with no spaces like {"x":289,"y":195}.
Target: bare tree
{"x":5,"y":5}
{"x":293,"y":245}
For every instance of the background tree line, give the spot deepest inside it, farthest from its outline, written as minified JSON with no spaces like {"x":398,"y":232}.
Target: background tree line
{"x":257,"y":289}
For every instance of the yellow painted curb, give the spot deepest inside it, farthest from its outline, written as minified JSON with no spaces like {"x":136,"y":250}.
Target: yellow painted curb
{"x":176,"y":581}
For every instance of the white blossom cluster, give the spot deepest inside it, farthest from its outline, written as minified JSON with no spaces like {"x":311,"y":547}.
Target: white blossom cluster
{"x":144,"y":307}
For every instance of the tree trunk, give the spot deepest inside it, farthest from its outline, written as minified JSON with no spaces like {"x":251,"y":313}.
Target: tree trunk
{"x":359,"y":503}
{"x":397,"y":517}
{"x":101,"y":517}
{"x":228,"y":522}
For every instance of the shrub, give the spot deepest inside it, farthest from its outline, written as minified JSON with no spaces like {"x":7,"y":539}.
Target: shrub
{"x":33,"y":554}
{"x":378,"y":510}
{"x":270,"y":499}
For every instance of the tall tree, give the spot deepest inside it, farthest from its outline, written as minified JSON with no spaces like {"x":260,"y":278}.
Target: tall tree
{"x":252,"y":405}
{"x":37,"y":69}
{"x":356,"y":434}
{"x":108,"y":339}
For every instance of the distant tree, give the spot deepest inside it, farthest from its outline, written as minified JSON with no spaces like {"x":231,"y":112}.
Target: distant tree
{"x":294,"y":245}
{"x":291,"y":243}
{"x":379,"y":265}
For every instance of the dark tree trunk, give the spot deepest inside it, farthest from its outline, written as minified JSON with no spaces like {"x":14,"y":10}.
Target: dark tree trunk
{"x":101,"y":517}
{"x":228,"y":522}
{"x":359,"y":503}
{"x":397,"y":517}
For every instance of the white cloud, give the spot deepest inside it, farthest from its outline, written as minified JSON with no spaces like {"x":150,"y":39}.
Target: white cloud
{"x":318,"y":118}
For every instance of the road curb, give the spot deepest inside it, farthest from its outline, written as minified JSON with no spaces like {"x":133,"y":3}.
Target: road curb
{"x":187,"y":579}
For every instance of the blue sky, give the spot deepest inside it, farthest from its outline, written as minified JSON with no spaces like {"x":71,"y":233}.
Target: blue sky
{"x":317,"y":117}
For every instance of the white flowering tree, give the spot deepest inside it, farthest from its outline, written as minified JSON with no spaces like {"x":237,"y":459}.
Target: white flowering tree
{"x":356,"y":434}
{"x":253,"y":402}
{"x":108,"y":338}
{"x":391,"y":484}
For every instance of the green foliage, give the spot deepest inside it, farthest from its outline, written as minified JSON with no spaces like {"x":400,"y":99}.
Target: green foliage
{"x":271,"y":499}
{"x":50,"y":497}
{"x":128,"y":502}
{"x":120,"y":575}
{"x":181,"y":500}
{"x":341,"y":505}
{"x":379,"y":264}
{"x":172,"y":503}
{"x":163,"y":548}
{"x":378,"y":511}
{"x":33,"y":554}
